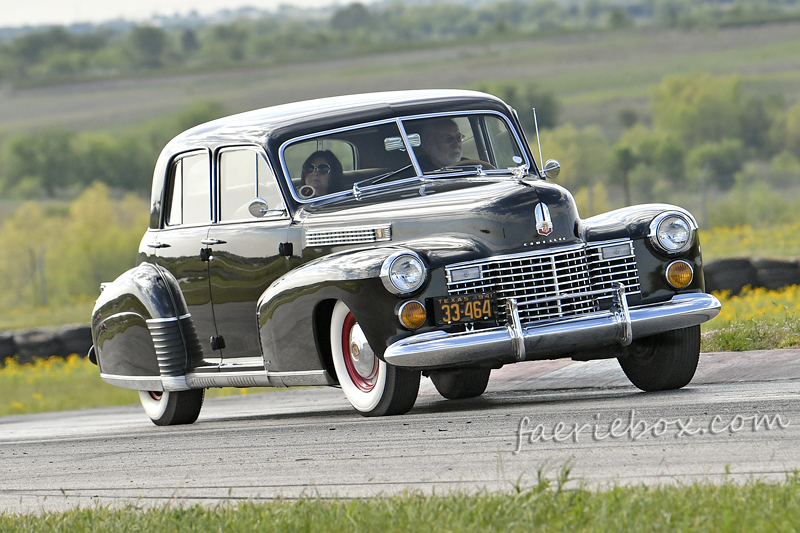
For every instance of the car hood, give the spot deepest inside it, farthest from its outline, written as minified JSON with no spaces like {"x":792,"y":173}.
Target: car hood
{"x":451,"y":220}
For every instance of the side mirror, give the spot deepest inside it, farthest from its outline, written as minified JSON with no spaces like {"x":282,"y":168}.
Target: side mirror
{"x":258,"y":207}
{"x":551,"y":169}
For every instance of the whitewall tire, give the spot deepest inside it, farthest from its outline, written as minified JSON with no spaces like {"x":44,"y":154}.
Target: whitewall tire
{"x":371,"y":386}
{"x":172,"y":408}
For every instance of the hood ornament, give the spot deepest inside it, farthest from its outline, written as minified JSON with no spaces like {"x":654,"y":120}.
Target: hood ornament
{"x":520,"y":173}
{"x":544,"y":225}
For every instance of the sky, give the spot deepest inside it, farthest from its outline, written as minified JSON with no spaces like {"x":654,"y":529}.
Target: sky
{"x":16,"y":13}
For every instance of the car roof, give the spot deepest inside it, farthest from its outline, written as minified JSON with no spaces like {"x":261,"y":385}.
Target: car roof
{"x":281,"y":122}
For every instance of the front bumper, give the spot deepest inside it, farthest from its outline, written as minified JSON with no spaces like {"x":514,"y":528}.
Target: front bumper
{"x":521,"y":342}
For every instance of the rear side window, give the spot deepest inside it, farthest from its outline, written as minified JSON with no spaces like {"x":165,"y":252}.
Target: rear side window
{"x":190,"y":190}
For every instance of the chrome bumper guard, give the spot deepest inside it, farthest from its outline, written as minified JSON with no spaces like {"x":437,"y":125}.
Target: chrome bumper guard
{"x":536,"y":341}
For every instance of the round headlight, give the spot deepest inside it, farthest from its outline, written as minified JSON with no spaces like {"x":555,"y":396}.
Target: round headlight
{"x":403,"y":273}
{"x":672,"y":232}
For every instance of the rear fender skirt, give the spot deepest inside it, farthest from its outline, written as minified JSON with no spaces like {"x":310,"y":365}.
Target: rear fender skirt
{"x":143,"y":335}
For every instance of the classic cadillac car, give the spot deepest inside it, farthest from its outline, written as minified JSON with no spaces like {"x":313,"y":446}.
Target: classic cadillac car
{"x":362,"y":241}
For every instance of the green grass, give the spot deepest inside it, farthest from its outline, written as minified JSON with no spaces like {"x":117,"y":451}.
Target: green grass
{"x":776,"y":242}
{"x":753,"y":506}
{"x":75,"y":313}
{"x":756,"y":319}
{"x":753,"y":334}
{"x":58,"y":384}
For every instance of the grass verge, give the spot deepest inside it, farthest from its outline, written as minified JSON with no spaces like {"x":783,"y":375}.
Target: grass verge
{"x":58,"y":384}
{"x":774,"y":241}
{"x":79,"y":311}
{"x":756,"y":319}
{"x":753,"y":506}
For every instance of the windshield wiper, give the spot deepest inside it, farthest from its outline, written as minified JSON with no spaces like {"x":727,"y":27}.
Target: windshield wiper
{"x":380,"y":177}
{"x":478,"y":169}
{"x":376,"y":179}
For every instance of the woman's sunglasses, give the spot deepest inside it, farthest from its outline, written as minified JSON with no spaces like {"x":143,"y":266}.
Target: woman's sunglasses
{"x":324,"y":168}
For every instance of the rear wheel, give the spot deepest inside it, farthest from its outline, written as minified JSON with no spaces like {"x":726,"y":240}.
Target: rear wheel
{"x":460,"y":384}
{"x":169,"y":408}
{"x":663,"y":362}
{"x":372,"y":387}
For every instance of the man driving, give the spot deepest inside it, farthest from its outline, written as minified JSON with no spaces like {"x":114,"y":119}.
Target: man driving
{"x":441,"y":144}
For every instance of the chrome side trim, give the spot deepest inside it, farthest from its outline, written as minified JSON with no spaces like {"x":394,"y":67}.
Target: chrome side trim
{"x":229,"y":379}
{"x":175,"y":383}
{"x":222,"y":379}
{"x":620,"y":324}
{"x":134,"y":382}
{"x":260,"y":378}
{"x":162,"y":320}
{"x":305,"y":378}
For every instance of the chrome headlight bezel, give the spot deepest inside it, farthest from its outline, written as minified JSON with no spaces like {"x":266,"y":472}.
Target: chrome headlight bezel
{"x":662,"y":232}
{"x":395,"y":281}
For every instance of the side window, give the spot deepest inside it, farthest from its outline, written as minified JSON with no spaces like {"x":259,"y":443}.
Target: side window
{"x":501,"y":143}
{"x":190,"y":192}
{"x":244,"y":174}
{"x":175,"y":213}
{"x":237,"y":177}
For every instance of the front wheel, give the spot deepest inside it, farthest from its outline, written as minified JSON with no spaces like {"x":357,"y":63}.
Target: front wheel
{"x":461,"y":384}
{"x":665,"y":361}
{"x":172,"y":408}
{"x":372,"y":387}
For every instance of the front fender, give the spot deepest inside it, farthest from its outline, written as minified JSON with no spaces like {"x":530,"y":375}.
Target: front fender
{"x":286,"y":310}
{"x":140,"y":331}
{"x":628,"y":222}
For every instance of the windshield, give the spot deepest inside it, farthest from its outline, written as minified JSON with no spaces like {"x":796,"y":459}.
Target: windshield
{"x":333,"y":162}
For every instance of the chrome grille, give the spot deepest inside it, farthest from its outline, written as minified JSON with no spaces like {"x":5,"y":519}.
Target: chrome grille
{"x":348,"y":236}
{"x":619,"y":267}
{"x":556,"y":283}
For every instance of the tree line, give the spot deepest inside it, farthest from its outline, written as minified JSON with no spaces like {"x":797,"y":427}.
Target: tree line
{"x":50,"y":160}
{"x":55,"y":54}
{"x":702,"y":127}
{"x":707,"y":135}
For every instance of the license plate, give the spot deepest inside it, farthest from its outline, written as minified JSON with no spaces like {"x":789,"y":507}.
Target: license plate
{"x":463,"y":309}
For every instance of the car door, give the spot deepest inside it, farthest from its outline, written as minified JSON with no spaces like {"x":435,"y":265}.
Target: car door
{"x":180,"y":247}
{"x":244,"y":257}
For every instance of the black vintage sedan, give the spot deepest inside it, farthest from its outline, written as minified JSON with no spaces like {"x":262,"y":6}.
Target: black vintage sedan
{"x":362,"y":241}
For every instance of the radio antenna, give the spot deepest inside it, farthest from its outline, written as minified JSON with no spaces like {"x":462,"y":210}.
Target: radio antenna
{"x":538,"y":141}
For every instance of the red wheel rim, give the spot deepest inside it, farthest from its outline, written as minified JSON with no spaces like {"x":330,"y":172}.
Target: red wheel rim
{"x":156,"y":395}
{"x":364,"y":383}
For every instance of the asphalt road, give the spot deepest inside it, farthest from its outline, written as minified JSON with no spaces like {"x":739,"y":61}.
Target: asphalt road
{"x":739,"y":419}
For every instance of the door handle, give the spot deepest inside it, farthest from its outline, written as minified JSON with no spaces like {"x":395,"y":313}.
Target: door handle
{"x":156,"y":244}
{"x":209,"y":242}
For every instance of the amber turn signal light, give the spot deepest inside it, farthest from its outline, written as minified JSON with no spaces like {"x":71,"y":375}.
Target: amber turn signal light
{"x":679,"y":274}
{"x":412,"y":314}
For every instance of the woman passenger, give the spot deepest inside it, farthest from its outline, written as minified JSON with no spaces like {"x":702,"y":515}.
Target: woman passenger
{"x":321,"y":175}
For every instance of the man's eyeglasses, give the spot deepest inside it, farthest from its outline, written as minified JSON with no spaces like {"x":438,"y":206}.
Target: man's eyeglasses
{"x":309,"y":168}
{"x":450,"y":139}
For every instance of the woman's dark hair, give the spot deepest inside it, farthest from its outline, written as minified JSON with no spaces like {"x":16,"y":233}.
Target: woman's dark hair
{"x":335,"y":179}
